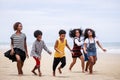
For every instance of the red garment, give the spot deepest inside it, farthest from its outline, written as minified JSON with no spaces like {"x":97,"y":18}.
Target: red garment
{"x":76,"y":50}
{"x":37,"y":61}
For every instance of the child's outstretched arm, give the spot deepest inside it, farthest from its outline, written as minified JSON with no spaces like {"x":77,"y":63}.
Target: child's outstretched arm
{"x":25,"y":45}
{"x":98,"y":43}
{"x":68,"y":46}
{"x":46,"y":49}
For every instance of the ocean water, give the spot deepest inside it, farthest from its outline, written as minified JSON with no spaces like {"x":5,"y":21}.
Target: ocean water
{"x":113,"y":47}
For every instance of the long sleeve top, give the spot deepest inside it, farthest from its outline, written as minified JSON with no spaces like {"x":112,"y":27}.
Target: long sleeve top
{"x":78,"y":42}
{"x":37,"y":48}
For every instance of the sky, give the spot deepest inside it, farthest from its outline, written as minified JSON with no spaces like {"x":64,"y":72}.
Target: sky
{"x":50,"y":16}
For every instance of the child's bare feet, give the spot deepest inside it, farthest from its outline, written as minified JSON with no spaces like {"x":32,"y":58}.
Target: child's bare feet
{"x":86,"y":70}
{"x":70,"y":69}
{"x":34,"y":72}
{"x":83,"y":71}
{"x":40,"y":74}
{"x":54,"y":74}
{"x":20,"y":73}
{"x":90,"y":71}
{"x":59,"y":69}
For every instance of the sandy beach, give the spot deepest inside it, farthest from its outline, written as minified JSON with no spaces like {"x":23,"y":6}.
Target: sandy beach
{"x":106,"y":68}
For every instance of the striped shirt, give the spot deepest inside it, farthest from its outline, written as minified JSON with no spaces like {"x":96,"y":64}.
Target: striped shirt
{"x":19,"y":41}
{"x":37,"y":48}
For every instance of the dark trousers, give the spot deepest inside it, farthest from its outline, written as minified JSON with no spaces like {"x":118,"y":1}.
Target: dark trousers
{"x":57,"y":61}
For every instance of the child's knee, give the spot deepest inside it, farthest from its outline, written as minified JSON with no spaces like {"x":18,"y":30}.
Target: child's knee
{"x":74,"y":62}
{"x":63,"y":64}
{"x":92,"y":62}
{"x":37,"y":66}
{"x":18,"y":58}
{"x":81,"y":57}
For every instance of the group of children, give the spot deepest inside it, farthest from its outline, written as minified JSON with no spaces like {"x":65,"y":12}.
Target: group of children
{"x":84,"y":49}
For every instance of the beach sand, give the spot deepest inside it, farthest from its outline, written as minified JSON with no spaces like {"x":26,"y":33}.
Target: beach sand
{"x":106,"y":68}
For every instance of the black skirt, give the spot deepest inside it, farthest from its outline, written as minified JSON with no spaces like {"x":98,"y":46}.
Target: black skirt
{"x":18,"y":52}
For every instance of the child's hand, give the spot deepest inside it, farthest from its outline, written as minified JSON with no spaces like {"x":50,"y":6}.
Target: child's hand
{"x":85,"y":52}
{"x":61,"y":52}
{"x":39,"y":58}
{"x":104,"y":50}
{"x":12,"y":52}
{"x":27,"y":55}
{"x":72,"y":52}
{"x":50,"y":53}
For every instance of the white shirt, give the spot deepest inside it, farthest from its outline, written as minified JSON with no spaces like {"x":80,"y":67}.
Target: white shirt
{"x":91,"y":41}
{"x":79,"y":43}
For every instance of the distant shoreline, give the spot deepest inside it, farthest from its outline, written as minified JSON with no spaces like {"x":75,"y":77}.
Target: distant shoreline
{"x":111,"y":47}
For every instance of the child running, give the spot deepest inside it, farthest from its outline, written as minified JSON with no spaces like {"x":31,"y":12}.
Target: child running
{"x":90,"y":48}
{"x":37,"y":47}
{"x":76,"y":35}
{"x":18,"y":50}
{"x":59,"y":55}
